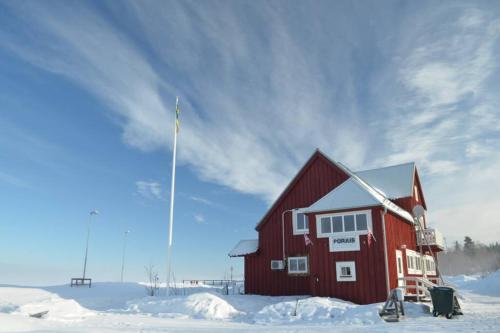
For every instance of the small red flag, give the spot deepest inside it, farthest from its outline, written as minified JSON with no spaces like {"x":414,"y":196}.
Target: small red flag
{"x":307,"y":240}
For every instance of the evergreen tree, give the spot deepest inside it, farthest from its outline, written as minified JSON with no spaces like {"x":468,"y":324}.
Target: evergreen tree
{"x":469,"y":246}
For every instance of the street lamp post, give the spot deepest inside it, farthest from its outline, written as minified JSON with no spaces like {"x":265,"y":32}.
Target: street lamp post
{"x":123,"y":254}
{"x":94,"y":212}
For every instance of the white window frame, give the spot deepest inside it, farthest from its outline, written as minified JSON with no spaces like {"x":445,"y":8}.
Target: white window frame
{"x":306,"y":271}
{"x":338,"y":269}
{"x":369,"y":226}
{"x":296,"y":230}
{"x":412,"y":257}
{"x":430,"y":262}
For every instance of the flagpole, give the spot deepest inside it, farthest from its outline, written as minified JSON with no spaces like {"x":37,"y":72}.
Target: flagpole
{"x":171,"y":222}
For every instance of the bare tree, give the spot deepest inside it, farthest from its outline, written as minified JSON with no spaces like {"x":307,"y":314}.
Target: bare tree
{"x":153,"y":286}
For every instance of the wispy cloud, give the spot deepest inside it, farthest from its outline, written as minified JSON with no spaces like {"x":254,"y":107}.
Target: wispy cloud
{"x":251,"y":135}
{"x":202,"y":200}
{"x":260,"y":90}
{"x":444,"y":76}
{"x":149,"y":190}
{"x":13,"y":180}
{"x":200,"y":219}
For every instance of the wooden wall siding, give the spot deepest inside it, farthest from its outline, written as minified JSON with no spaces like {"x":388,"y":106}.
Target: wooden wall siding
{"x":398,"y":232}
{"x":369,"y":286}
{"x":318,"y":177}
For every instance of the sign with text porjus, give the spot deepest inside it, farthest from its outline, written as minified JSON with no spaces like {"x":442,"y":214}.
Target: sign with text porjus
{"x":345,"y":242}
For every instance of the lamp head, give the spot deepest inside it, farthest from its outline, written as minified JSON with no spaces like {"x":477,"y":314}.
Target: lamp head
{"x":418,"y":212}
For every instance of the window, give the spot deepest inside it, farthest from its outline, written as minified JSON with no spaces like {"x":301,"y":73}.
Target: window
{"x":415,"y":193}
{"x":337,"y":224}
{"x":361,"y":222}
{"x":400,"y":267}
{"x":430,"y":265}
{"x":346,"y":271}
{"x":326,"y":226}
{"x":300,"y":223}
{"x":297,"y":265}
{"x":414,"y":262}
{"x":352,"y":222}
{"x":348,"y":223}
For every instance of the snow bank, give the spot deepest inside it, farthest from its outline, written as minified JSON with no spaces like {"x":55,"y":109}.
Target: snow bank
{"x":103,"y":296}
{"x":488,"y":285}
{"x":485,"y":285}
{"x":200,"y":305}
{"x":318,"y":310}
{"x":26,"y":301}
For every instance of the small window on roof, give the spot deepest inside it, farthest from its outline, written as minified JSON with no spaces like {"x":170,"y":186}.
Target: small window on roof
{"x":415,"y":193}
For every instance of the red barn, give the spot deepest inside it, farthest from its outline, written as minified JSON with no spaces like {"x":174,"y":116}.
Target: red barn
{"x":338,"y":233}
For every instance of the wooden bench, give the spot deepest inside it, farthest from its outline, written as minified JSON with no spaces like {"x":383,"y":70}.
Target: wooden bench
{"x":81,"y":282}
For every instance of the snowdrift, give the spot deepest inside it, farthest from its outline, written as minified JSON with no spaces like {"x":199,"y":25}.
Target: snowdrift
{"x":319,"y":309}
{"x":485,"y":285}
{"x":199,"y":305}
{"x":26,"y":301}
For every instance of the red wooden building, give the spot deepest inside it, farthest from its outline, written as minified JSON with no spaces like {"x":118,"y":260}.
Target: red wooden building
{"x":364,"y":240}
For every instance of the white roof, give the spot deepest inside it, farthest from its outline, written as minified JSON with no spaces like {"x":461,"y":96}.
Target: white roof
{"x":245,"y":247}
{"x":394,"y":182}
{"x":349,"y":194}
{"x":355,"y":192}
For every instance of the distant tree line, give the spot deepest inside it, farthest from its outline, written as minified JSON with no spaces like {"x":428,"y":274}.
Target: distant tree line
{"x":470,"y":258}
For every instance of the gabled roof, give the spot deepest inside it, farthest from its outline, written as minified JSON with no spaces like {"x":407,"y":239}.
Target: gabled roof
{"x":347,"y":195}
{"x":376,"y":194}
{"x":245,"y":247}
{"x":394,"y":181}
{"x":379,"y":186}
{"x":317,"y":154}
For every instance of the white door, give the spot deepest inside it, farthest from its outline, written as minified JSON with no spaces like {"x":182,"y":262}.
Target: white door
{"x":399,"y":268}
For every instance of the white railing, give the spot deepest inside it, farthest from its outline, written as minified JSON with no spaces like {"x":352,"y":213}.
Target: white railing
{"x":432,"y":237}
{"x":417,"y":287}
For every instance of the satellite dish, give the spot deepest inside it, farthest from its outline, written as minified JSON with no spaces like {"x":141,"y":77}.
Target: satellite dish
{"x":418,"y":212}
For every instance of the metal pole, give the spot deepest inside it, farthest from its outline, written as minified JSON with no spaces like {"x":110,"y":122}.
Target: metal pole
{"x":94,"y":212}
{"x":123,"y":255}
{"x":171,"y":222}
{"x":283,"y":231}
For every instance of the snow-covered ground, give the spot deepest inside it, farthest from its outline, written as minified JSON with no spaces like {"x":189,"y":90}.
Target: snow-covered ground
{"x":115,"y":307}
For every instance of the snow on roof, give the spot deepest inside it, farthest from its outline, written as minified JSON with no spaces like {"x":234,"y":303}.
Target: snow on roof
{"x":245,"y":247}
{"x":394,"y":181}
{"x":349,"y":194}
{"x":357,"y":196}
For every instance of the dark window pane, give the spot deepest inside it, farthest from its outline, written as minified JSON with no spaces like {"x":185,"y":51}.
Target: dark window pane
{"x":300,"y":221}
{"x":293,"y":265}
{"x":306,"y":221}
{"x":302,"y":265}
{"x":337,"y":224}
{"x":349,"y":223}
{"x":326,"y":226}
{"x":361,"y":223}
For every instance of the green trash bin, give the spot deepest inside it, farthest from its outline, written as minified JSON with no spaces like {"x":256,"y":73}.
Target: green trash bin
{"x":444,"y":302}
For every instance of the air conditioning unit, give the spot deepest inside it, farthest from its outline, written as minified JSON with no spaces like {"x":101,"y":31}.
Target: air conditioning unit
{"x":277,"y":265}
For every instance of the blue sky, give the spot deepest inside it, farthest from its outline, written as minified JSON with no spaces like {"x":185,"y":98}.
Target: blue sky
{"x":87,"y":95}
